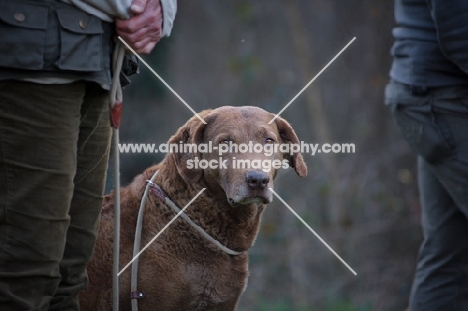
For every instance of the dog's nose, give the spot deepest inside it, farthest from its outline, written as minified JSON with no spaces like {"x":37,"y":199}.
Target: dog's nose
{"x":257,"y":180}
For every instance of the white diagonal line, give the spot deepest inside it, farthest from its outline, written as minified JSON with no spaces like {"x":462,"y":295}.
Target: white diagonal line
{"x":162,"y":80}
{"x":312,"y":230}
{"x":313,"y":79}
{"x":160,"y":232}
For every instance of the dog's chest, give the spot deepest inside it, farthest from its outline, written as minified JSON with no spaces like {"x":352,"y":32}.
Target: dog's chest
{"x":212,"y":285}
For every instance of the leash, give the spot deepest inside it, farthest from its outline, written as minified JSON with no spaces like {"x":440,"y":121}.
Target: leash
{"x":134,"y":294}
{"x":160,"y":193}
{"x":115,"y":116}
{"x":150,"y":185}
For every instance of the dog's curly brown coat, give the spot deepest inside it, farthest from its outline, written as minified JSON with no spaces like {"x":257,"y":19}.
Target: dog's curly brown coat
{"x":181,"y":270}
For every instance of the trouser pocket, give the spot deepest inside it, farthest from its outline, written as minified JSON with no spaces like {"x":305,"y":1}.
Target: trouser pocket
{"x":427,"y":135}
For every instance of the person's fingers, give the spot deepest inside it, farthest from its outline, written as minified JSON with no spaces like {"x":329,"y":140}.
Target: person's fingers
{"x":141,"y":35}
{"x":143,"y":42}
{"x":138,"y":6}
{"x":130,"y":25}
{"x":137,"y":22}
{"x":132,"y":37}
{"x":147,"y":48}
{"x":142,"y":31}
{"x":145,"y":45}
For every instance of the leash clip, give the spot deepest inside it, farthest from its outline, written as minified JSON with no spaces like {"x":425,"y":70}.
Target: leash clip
{"x":156,"y":190}
{"x":137,"y":295}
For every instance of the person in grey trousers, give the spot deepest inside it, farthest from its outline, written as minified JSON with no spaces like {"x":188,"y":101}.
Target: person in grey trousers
{"x":55,"y":59}
{"x":428,"y":95}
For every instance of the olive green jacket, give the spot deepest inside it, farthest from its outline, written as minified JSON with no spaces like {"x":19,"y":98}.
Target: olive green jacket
{"x":52,"y":39}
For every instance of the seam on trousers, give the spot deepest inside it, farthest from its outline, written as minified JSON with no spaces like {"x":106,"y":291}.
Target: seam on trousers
{"x":94,"y":167}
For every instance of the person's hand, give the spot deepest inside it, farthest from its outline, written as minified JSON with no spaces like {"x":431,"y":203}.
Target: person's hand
{"x":143,"y":30}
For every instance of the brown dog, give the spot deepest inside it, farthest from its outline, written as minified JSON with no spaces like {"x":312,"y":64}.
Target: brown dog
{"x":182,"y":270}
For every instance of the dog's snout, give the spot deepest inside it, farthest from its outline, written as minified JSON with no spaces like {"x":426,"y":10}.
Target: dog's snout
{"x":257,"y":180}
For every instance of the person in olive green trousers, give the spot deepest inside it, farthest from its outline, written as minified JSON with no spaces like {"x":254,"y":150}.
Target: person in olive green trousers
{"x":54,"y":140}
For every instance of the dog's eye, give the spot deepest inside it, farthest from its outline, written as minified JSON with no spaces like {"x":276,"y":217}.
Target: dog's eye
{"x":224,"y":141}
{"x":269,"y":141}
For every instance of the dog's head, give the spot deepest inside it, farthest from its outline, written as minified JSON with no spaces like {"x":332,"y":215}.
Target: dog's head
{"x":237,"y":151}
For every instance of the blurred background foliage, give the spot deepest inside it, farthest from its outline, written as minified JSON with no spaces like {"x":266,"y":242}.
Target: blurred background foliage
{"x":364,"y":205}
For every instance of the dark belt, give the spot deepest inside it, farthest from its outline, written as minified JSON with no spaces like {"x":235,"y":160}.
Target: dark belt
{"x":449,"y":91}
{"x":418,"y":90}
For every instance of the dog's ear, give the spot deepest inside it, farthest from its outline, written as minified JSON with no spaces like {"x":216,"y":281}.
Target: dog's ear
{"x":189,"y":134}
{"x":288,"y":136}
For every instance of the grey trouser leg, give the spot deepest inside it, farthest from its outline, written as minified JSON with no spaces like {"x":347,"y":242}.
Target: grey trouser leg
{"x":54,"y":142}
{"x":436,"y":126}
